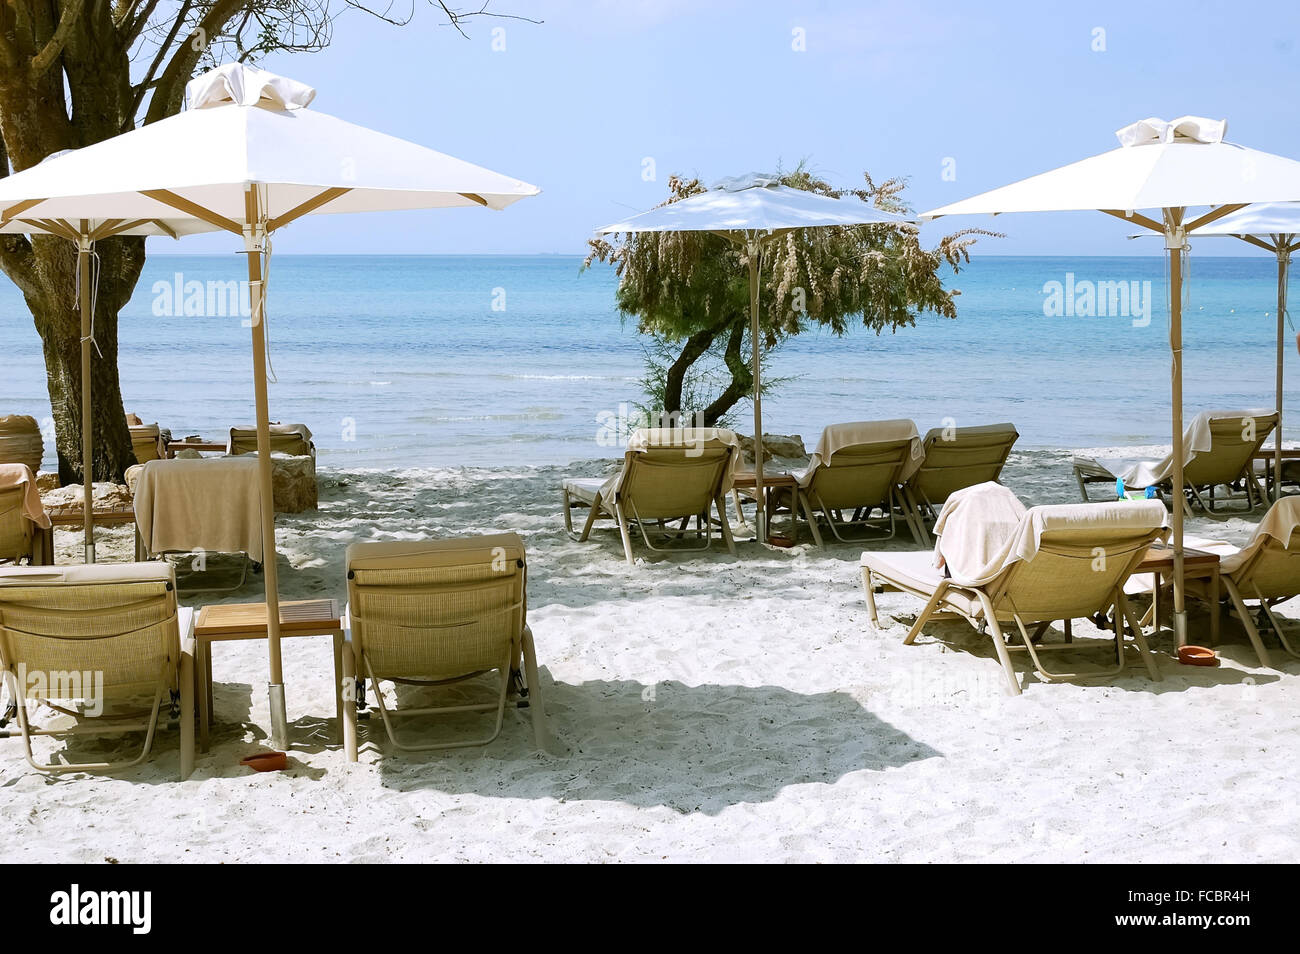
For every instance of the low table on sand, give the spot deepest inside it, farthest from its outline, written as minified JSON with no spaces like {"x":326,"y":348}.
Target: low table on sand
{"x":68,"y":517}
{"x":175,"y":447}
{"x":774,"y":481}
{"x":226,"y":621}
{"x":1197,"y":565}
{"x":1268,"y":457}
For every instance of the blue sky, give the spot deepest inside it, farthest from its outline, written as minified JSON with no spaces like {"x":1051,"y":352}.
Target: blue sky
{"x":578,"y":103}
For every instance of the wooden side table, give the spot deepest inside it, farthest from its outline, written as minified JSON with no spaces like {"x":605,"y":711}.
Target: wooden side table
{"x":745,"y":482}
{"x":175,"y":447}
{"x":1197,"y":565}
{"x":229,"y":621}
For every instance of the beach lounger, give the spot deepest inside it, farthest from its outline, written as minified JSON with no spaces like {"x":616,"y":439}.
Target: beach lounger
{"x":1266,"y":571}
{"x":436,"y":612}
{"x":292,"y":439}
{"x":24,"y":525}
{"x":199,"y":506}
{"x":103,"y":635}
{"x":956,"y":458}
{"x":1218,"y":451}
{"x":148,"y":442}
{"x":669,"y":477}
{"x":860,"y":468}
{"x":1005,"y":564}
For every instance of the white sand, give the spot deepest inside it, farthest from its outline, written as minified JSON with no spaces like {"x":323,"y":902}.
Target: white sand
{"x":712,"y":709}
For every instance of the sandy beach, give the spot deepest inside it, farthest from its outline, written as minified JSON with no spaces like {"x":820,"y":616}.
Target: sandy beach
{"x":704,"y":708}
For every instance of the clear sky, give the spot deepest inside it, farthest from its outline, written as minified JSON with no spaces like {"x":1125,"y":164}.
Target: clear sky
{"x":582,"y":102}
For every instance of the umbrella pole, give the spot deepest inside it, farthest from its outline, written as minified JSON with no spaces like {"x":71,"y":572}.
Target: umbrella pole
{"x":755,"y":265}
{"x":1283,"y":261}
{"x":1175,"y":242}
{"x":254,"y":236}
{"x":85,"y":293}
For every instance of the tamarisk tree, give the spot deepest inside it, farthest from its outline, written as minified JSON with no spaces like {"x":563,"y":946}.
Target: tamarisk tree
{"x":689,"y":291}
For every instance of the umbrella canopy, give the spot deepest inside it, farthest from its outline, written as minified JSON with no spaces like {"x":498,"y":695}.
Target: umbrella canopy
{"x":248,"y":157}
{"x":1169,"y":166}
{"x":1274,"y":227}
{"x":243,"y":127}
{"x":752,"y":211}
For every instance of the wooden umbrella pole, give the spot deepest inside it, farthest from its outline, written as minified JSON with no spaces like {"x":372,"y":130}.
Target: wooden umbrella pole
{"x":1283,"y":262}
{"x":1175,"y":243}
{"x":254,"y":239}
{"x":755,"y":259}
{"x":86,"y":297}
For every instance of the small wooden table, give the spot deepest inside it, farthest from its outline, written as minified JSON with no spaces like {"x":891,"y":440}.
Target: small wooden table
{"x":1268,"y":457}
{"x":773,"y":483}
{"x":227,"y":621}
{"x":68,"y":517}
{"x":1197,"y":565}
{"x":173,"y":447}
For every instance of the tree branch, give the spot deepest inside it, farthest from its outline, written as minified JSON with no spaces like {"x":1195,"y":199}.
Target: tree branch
{"x":137,"y":93}
{"x":71,"y":12}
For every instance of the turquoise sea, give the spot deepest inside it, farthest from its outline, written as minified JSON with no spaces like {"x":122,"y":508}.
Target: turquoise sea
{"x":495,"y":360}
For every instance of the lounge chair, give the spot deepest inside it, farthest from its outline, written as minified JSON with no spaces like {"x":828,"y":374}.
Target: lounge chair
{"x":860,"y":468}
{"x":1219,"y":447}
{"x":116,"y":627}
{"x":292,"y":439}
{"x":956,"y":458}
{"x":148,"y":442}
{"x":436,"y":612}
{"x":1266,"y":570}
{"x":1003,"y":563}
{"x":668,"y":475}
{"x":24,"y":525}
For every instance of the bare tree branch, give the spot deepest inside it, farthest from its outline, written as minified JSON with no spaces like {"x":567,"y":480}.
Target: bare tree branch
{"x":138,"y":92}
{"x":68,"y":17}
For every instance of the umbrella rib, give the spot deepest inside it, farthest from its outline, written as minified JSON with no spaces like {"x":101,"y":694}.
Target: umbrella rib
{"x":182,"y":204}
{"x":1137,"y":219}
{"x":54,"y":227}
{"x":1257,"y":241}
{"x":18,"y":208}
{"x":315,"y":202}
{"x":1214,"y":215}
{"x":105,"y":229}
{"x":474,"y":197}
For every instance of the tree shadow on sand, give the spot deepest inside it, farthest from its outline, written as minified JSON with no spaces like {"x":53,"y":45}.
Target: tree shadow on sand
{"x":688,"y":748}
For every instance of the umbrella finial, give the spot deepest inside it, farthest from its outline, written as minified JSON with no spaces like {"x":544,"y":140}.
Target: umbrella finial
{"x":751,"y":180}
{"x":1151,"y":131}
{"x":240,"y":85}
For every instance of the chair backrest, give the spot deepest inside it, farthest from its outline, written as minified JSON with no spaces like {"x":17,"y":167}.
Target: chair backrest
{"x":662,"y":481}
{"x":859,"y":475}
{"x":961,"y":457}
{"x":146,"y":441}
{"x":437,"y":609}
{"x":21,"y":441}
{"x":243,"y":440}
{"x":1075,"y":571}
{"x":1274,"y":571}
{"x":117,"y":621}
{"x":1235,"y":440}
{"x":15,"y":528}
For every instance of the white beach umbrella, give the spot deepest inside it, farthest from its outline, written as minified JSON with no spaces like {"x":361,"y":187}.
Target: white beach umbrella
{"x":1274,"y":227}
{"x":247,"y":156}
{"x":1170,"y":166}
{"x":752,"y":211}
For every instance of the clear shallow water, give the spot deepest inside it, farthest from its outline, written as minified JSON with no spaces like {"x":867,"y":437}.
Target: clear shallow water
{"x":403,"y":360}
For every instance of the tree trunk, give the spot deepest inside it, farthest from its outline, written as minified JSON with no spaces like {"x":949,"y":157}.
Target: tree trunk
{"x":58,"y":321}
{"x":742,"y":377}
{"x":93,"y":74}
{"x":695,"y":347}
